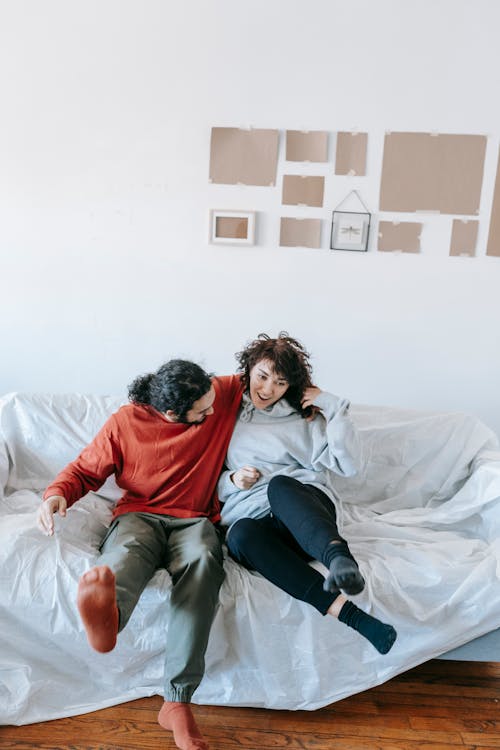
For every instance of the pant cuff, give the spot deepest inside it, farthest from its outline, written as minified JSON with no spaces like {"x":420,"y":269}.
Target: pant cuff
{"x":179,"y":694}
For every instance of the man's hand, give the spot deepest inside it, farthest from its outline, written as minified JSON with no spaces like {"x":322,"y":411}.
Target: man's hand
{"x":53,"y":504}
{"x":245,"y":477}
{"x":310,"y":396}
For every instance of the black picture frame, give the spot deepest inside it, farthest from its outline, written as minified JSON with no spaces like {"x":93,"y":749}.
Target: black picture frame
{"x":350,"y":230}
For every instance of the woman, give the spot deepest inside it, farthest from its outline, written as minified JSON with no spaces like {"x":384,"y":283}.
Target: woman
{"x":277,"y":504}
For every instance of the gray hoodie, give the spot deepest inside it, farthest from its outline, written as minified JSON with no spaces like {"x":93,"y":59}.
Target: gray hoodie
{"x":278,"y":441}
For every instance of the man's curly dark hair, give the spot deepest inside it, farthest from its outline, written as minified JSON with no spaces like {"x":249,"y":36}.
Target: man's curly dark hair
{"x":176,"y":385}
{"x":290,"y":361}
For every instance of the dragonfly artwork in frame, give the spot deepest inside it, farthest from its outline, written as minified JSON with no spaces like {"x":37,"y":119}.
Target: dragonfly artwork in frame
{"x":350,"y":230}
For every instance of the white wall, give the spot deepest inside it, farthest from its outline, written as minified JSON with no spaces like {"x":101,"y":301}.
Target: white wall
{"x":106,"y":109}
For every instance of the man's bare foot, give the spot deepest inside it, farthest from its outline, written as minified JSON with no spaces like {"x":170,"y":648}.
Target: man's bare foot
{"x":179,"y":718}
{"x":97,"y":606}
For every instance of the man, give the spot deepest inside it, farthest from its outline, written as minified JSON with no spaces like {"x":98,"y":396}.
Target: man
{"x":166,"y":449}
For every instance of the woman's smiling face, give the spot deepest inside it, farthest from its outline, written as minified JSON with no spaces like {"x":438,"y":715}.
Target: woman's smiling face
{"x":266,"y":386}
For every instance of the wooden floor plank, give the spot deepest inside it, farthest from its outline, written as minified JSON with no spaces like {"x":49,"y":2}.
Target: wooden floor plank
{"x":439,"y":705}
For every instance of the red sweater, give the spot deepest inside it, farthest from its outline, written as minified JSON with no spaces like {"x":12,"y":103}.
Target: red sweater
{"x":163,"y":467}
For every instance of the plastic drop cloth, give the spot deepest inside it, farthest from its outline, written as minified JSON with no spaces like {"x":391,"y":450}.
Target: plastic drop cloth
{"x":423,"y":522}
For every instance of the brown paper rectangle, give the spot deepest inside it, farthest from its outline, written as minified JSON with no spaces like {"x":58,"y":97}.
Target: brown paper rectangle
{"x":425,"y":172}
{"x":249,"y":157}
{"x":300,"y":232}
{"x":303,"y":190}
{"x":231,"y":227}
{"x":464,"y":237}
{"x":493,"y":247}
{"x":351,"y":153}
{"x":403,"y":236}
{"x":306,"y":146}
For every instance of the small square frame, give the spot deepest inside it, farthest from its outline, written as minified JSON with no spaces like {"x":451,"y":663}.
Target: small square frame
{"x":350,"y":230}
{"x":239,"y":227}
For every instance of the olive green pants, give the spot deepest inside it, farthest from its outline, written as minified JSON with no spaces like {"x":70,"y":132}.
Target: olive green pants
{"x":135,"y":547}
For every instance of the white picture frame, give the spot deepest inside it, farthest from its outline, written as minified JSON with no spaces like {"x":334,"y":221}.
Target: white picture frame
{"x":232,"y":227}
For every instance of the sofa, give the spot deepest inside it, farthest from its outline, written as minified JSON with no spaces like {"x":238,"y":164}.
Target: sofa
{"x":422,"y":519}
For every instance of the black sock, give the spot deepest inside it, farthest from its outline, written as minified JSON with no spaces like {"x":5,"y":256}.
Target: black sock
{"x":379,"y":634}
{"x":343,"y":570}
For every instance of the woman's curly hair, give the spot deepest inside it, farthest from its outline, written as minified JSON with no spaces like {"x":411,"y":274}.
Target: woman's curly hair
{"x":289,"y":359}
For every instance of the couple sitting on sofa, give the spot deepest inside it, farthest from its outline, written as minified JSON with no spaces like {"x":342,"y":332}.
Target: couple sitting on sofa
{"x":278,"y":436}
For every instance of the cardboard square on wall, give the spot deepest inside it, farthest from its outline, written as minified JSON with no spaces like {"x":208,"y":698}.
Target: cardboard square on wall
{"x":350,"y":157}
{"x":426,"y":172}
{"x":493,"y":247}
{"x":303,"y":190}
{"x":401,"y":236}
{"x":311,"y":145}
{"x":464,"y":237}
{"x":300,"y":232}
{"x":247,"y":157}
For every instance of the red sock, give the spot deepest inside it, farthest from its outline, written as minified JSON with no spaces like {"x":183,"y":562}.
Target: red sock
{"x":97,"y":605}
{"x":179,"y":718}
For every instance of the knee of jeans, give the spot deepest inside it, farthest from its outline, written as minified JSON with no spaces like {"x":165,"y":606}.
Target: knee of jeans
{"x":240,"y":534}
{"x":277,"y":485}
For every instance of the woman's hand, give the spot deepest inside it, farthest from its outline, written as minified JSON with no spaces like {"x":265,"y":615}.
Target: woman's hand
{"x":245,"y":477}
{"x":310,"y":396}
{"x":53,"y":504}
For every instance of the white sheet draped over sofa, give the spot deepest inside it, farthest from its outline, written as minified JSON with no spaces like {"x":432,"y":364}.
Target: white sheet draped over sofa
{"x":423,"y":522}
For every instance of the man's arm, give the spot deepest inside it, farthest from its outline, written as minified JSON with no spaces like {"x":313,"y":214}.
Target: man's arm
{"x":100,"y":459}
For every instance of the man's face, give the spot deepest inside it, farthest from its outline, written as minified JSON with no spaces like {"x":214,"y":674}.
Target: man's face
{"x":201,"y":408}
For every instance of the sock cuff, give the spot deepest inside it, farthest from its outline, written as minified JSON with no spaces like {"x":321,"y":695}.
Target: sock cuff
{"x":337,"y":549}
{"x":347,"y":612}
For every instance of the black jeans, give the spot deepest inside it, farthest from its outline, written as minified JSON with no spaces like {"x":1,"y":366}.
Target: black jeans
{"x":300,"y":528}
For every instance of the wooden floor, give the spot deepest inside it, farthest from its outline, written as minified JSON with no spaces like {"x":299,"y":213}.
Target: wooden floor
{"x":437,"y":706}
